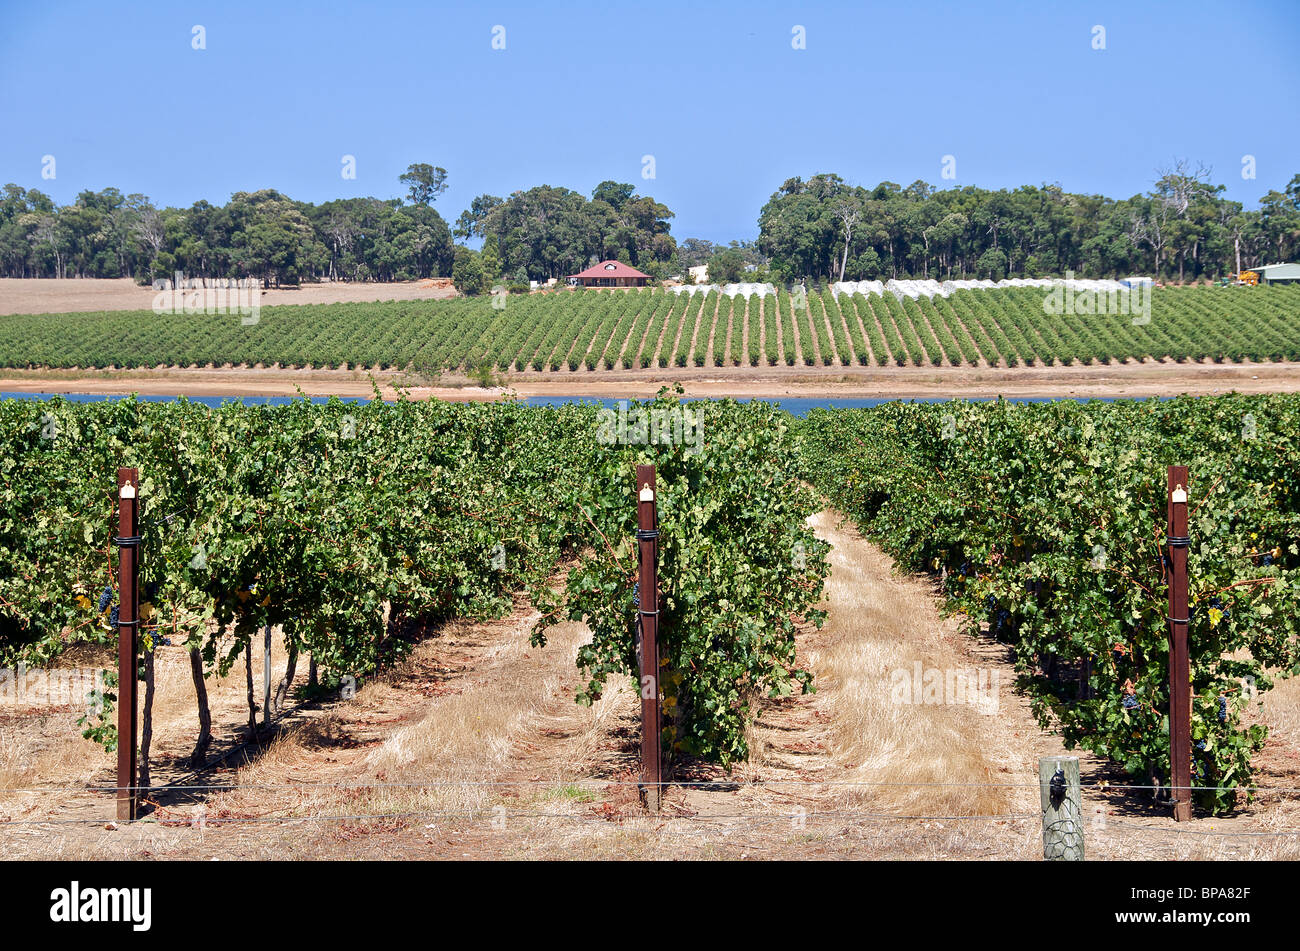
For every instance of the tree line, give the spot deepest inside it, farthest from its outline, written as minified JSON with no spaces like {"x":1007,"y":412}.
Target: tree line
{"x":263,"y":234}
{"x":822,"y":229}
{"x":537,"y":234}
{"x":825,"y":229}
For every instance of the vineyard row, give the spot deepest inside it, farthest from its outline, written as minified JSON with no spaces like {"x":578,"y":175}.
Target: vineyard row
{"x":591,"y":330}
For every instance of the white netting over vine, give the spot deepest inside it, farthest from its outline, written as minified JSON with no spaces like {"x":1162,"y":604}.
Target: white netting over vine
{"x":931,"y":288}
{"x":730,"y":290}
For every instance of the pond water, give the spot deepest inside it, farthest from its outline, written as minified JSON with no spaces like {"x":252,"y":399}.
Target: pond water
{"x":797,"y":406}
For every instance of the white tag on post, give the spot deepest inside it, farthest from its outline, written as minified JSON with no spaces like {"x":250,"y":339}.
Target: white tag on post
{"x":128,"y":491}
{"x":1179,"y":494}
{"x":647,"y":493}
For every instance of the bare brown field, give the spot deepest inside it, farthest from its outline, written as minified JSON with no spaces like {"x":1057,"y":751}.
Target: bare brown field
{"x":474,"y":749}
{"x":75,"y":295}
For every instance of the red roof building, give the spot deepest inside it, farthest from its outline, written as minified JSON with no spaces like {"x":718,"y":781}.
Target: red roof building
{"x":610,"y":274}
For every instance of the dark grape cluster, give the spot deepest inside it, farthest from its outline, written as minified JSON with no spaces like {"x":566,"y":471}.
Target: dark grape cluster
{"x":105,"y":598}
{"x":1129,"y":701}
{"x":1223,"y":709}
{"x":112,"y":617}
{"x":998,"y":616}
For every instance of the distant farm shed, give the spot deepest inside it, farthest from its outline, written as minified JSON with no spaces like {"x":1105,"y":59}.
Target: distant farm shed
{"x":610,"y":274}
{"x":1278,"y":273}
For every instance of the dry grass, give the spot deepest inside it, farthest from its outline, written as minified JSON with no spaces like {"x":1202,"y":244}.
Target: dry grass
{"x":1281,"y":711}
{"x":469,"y":736}
{"x":30,"y":758}
{"x":41,"y":744}
{"x":881,"y":624}
{"x":43,"y":747}
{"x":478,"y":748}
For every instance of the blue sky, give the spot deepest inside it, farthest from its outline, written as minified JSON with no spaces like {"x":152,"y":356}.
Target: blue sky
{"x":715,"y":92}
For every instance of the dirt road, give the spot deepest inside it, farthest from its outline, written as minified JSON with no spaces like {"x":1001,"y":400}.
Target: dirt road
{"x":1116,"y":380}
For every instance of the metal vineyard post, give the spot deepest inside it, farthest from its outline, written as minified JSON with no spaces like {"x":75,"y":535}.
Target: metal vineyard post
{"x":128,"y":566}
{"x":647,"y":518}
{"x":1180,"y":693}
